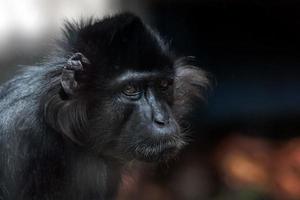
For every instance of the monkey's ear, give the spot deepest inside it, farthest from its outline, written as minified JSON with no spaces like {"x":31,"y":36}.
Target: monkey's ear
{"x":190,"y":84}
{"x":68,"y":79}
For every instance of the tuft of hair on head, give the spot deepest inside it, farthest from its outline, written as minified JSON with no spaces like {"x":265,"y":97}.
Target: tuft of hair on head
{"x":79,"y":35}
{"x":71,"y":31}
{"x":191,"y":85}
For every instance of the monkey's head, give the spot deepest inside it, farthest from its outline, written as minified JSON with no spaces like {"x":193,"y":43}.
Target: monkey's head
{"x":123,"y":94}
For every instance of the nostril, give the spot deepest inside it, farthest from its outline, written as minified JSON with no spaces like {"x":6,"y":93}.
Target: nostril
{"x":161,"y":122}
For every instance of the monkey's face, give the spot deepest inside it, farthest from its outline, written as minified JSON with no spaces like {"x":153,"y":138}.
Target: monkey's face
{"x":140,"y":116}
{"x":148,"y":128}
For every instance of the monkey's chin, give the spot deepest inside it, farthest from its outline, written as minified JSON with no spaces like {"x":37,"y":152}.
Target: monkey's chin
{"x":157,"y":152}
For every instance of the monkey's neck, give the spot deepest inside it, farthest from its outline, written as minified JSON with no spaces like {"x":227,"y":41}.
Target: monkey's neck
{"x":94,"y":178}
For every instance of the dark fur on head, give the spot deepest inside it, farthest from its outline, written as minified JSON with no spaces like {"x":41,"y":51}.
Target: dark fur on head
{"x":112,"y":94}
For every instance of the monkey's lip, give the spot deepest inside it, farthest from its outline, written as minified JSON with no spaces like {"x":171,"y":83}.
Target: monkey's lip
{"x":158,"y":151}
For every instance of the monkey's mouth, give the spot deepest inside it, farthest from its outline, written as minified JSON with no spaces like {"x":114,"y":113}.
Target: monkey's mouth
{"x":158,"y":151}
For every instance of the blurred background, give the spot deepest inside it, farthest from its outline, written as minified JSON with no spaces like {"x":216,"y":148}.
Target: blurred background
{"x":245,"y":141}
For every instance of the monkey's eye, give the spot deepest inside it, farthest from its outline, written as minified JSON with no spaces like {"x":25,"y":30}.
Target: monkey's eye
{"x":164,"y":84}
{"x":131,"y":90}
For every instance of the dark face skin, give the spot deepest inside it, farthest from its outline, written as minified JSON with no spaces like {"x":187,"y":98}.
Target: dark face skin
{"x":150,"y":129}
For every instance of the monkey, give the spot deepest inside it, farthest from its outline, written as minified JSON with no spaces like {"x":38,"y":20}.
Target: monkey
{"x":112,"y":92}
